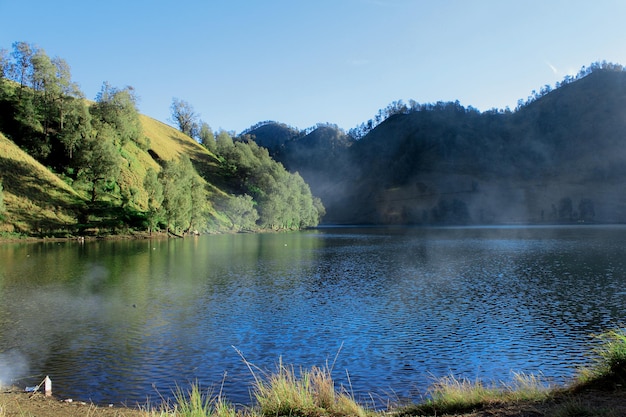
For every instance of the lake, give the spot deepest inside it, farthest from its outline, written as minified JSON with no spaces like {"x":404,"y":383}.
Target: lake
{"x":389,"y":309}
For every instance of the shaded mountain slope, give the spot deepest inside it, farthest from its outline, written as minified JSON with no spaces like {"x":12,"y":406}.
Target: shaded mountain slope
{"x":558,"y":158}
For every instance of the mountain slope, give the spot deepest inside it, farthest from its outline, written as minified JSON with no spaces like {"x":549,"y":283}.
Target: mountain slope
{"x":37,"y":200}
{"x":559,"y":158}
{"x":34,"y":197}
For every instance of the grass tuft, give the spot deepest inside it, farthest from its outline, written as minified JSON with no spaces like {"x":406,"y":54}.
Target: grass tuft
{"x":449,"y":394}
{"x":194,"y":403}
{"x":305,"y":393}
{"x":609,"y":366}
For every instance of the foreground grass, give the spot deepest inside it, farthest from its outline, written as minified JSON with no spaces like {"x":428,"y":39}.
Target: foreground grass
{"x":598,"y":391}
{"x":313,"y":392}
{"x":450,"y":395}
{"x":283,"y":393}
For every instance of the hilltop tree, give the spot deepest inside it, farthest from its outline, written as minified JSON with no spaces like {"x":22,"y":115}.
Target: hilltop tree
{"x":118,"y":108}
{"x":42,"y":103}
{"x":185,"y":117}
{"x":21,"y":69}
{"x":224,"y":142}
{"x":207,"y":137}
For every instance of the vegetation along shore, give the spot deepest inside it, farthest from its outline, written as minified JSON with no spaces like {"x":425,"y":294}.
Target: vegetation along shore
{"x":73,"y":166}
{"x":598,"y":390}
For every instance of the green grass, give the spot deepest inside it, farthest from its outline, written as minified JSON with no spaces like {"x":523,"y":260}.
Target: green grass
{"x":304,"y":393}
{"x":193,"y":402}
{"x":450,"y":395}
{"x":312,"y":392}
{"x":609,"y":365}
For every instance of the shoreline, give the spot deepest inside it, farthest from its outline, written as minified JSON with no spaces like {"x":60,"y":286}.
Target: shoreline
{"x":561,"y":401}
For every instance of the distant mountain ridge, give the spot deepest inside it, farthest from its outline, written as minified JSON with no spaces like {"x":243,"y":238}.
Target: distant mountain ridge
{"x":559,"y":158}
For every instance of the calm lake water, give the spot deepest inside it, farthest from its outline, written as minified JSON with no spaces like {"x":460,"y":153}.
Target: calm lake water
{"x":389,"y":309}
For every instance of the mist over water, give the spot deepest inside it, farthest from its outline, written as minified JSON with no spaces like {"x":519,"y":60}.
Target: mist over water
{"x":119,"y":322}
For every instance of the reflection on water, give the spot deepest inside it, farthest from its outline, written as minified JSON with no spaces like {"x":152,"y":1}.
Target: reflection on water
{"x":124,"y":321}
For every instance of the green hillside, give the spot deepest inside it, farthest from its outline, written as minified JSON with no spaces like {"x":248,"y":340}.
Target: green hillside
{"x":72,"y":167}
{"x":35,"y":199}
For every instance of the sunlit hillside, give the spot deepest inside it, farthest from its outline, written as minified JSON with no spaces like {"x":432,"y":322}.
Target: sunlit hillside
{"x":35,"y":198}
{"x":38,"y":199}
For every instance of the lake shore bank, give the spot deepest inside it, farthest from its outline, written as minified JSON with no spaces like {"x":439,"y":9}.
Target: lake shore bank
{"x":561,"y":402}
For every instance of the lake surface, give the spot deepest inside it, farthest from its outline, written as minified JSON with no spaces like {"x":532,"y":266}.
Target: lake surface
{"x":388,"y":309}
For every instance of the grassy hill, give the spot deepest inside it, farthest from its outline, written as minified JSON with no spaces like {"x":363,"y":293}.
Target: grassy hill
{"x":35,"y":198}
{"x":38,"y":201}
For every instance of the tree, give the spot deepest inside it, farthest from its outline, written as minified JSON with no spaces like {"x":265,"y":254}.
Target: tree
{"x":154,"y":188}
{"x":281,"y":200}
{"x":2,"y":206}
{"x":207,"y":137}
{"x":75,"y":125}
{"x":118,"y":108}
{"x":224,"y":142}
{"x":177,"y":180}
{"x":241,"y":211}
{"x":99,"y":160}
{"x":199,"y":210}
{"x":185,"y":117}
{"x":22,"y":68}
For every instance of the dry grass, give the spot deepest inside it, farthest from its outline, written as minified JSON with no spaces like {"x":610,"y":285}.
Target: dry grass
{"x":34,"y":197}
{"x":450,"y":394}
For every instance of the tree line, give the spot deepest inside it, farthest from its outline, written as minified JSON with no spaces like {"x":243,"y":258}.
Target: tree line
{"x":400,"y":107}
{"x":87,"y":144}
{"x":267,"y":195}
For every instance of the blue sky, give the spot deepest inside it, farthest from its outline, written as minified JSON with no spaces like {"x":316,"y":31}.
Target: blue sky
{"x":238,"y":62}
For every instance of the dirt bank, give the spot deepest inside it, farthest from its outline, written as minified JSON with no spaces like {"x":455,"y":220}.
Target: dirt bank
{"x":583,"y":402}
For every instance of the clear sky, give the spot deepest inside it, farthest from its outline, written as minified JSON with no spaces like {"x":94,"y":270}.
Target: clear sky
{"x":239,"y":62}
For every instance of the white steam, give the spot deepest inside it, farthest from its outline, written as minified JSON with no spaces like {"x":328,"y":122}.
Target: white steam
{"x":13,"y":366}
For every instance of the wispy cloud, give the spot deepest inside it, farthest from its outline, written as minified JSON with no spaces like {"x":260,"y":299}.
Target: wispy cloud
{"x":552,"y":67}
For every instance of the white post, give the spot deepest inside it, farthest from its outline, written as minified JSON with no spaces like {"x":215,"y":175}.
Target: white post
{"x":47,"y":386}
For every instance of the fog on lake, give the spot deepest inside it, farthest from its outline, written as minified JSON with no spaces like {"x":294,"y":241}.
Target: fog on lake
{"x":390,"y":309}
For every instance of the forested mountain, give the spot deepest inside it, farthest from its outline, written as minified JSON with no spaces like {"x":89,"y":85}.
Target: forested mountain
{"x":69,"y":166}
{"x":559,"y":157}
{"x":73,"y":166}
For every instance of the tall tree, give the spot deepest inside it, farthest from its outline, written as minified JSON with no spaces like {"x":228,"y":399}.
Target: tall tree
{"x":2,"y":206}
{"x":76,"y":125}
{"x":118,"y":108}
{"x":22,"y":68}
{"x":207,"y":137}
{"x":47,"y":89}
{"x":154,"y":188}
{"x":177,"y":180}
{"x":99,"y":160}
{"x":223,"y":142}
{"x":185,"y":117}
